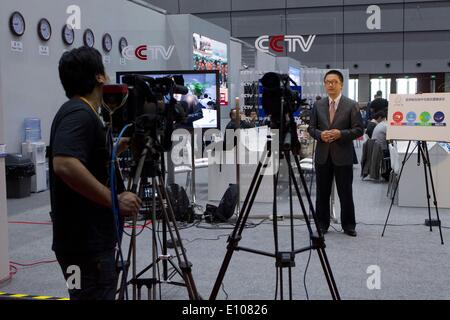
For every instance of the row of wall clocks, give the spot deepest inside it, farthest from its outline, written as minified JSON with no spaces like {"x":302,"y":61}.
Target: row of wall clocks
{"x":17,"y":27}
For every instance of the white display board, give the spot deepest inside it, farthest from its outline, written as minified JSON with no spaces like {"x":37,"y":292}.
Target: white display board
{"x":423,"y":117}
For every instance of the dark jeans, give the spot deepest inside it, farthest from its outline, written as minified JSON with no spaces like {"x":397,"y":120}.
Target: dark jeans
{"x":344,"y":180}
{"x":98,"y":275}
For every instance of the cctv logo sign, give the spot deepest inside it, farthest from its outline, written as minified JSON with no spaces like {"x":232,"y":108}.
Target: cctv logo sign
{"x":146,"y":52}
{"x":278,"y":43}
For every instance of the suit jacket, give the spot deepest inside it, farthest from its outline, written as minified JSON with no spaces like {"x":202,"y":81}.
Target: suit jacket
{"x":347,"y":119}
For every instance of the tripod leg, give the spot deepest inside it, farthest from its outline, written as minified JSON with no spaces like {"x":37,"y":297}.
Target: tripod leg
{"x":291,"y":214}
{"x":154,"y":247}
{"x":328,"y":274}
{"x":164,"y":248}
{"x":427,"y":189}
{"x":170,"y":217}
{"x":290,"y":283}
{"x":434,"y":192}
{"x":131,"y":252}
{"x":297,"y":190}
{"x":320,"y":250}
{"x":307,"y":192}
{"x":405,"y":158}
{"x":281,"y":283}
{"x":235,"y":236}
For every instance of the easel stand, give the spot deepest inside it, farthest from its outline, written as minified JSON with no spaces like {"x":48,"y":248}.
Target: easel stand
{"x":424,"y":157}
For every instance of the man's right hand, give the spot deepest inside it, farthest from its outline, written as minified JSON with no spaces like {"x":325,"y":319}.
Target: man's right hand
{"x":325,"y":136}
{"x":129,"y":204}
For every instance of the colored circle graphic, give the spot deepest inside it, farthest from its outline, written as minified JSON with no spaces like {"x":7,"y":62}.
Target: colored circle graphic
{"x":439,"y":117}
{"x":411,"y":117}
{"x":397,"y":116}
{"x":425,"y":117}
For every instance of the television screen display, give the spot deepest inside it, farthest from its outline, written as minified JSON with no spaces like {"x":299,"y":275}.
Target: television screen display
{"x":209,"y":54}
{"x":200,"y":104}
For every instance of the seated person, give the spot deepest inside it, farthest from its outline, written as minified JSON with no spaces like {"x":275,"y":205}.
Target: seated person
{"x":378,"y":104}
{"x":377,"y":118}
{"x":254,"y":118}
{"x":379,"y":134}
{"x":244,"y":124}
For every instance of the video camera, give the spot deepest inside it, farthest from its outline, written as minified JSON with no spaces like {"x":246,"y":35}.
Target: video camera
{"x":147,"y":103}
{"x":281,"y":102}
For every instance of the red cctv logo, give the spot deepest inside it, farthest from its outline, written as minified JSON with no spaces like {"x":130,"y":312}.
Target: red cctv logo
{"x":145,"y":52}
{"x":279,"y":43}
{"x":140,"y":52}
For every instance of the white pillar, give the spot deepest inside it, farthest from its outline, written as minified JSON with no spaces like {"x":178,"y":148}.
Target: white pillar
{"x":4,"y":243}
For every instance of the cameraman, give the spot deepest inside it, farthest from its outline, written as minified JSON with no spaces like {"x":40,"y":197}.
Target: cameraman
{"x":84,"y":231}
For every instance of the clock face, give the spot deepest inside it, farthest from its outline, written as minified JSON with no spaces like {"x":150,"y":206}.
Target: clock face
{"x":89,"y":38}
{"x":122,"y":44}
{"x":68,"y":35}
{"x":17,"y":24}
{"x":107,"y":42}
{"x":44,"y":30}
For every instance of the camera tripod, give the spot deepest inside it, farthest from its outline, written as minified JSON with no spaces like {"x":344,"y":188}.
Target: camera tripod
{"x":154,"y":171}
{"x":422,"y":154}
{"x":284,"y":259}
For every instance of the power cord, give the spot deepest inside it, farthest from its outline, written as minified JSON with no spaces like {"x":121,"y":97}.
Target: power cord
{"x":223,"y":289}
{"x":14,"y":268}
{"x":306,"y":270}
{"x":206,"y":239}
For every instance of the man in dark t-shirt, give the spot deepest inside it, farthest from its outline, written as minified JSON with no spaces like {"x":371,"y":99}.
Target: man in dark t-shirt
{"x":84,"y":231}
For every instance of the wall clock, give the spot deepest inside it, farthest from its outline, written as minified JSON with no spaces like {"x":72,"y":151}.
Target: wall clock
{"x":17,"y":24}
{"x":107,"y":42}
{"x":122,"y":44}
{"x":68,"y":35}
{"x":89,"y":38}
{"x":44,"y":30}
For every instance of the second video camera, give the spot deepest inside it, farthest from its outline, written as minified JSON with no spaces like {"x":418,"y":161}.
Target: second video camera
{"x":148,"y":103}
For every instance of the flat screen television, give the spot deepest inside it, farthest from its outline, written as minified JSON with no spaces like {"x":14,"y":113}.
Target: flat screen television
{"x":201,"y":100}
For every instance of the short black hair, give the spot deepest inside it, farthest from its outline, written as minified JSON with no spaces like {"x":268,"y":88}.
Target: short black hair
{"x":78,"y":69}
{"x":336,"y":72}
{"x":380,"y":114}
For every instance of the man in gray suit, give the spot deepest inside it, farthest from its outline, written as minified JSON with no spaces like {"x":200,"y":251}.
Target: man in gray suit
{"x":335,"y":123}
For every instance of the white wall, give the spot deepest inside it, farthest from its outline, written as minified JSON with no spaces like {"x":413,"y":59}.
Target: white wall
{"x":4,"y":243}
{"x":4,"y":258}
{"x":179,"y":32}
{"x":30,"y":82}
{"x":265,"y":62}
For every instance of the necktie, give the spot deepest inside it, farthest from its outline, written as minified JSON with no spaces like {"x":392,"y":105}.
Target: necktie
{"x":332,"y":111}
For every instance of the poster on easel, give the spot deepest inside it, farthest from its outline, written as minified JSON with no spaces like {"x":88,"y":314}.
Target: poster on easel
{"x":420,"y":117}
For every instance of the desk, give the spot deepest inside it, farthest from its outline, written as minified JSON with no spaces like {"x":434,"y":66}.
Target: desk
{"x":221,"y":175}
{"x":411,"y":189}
